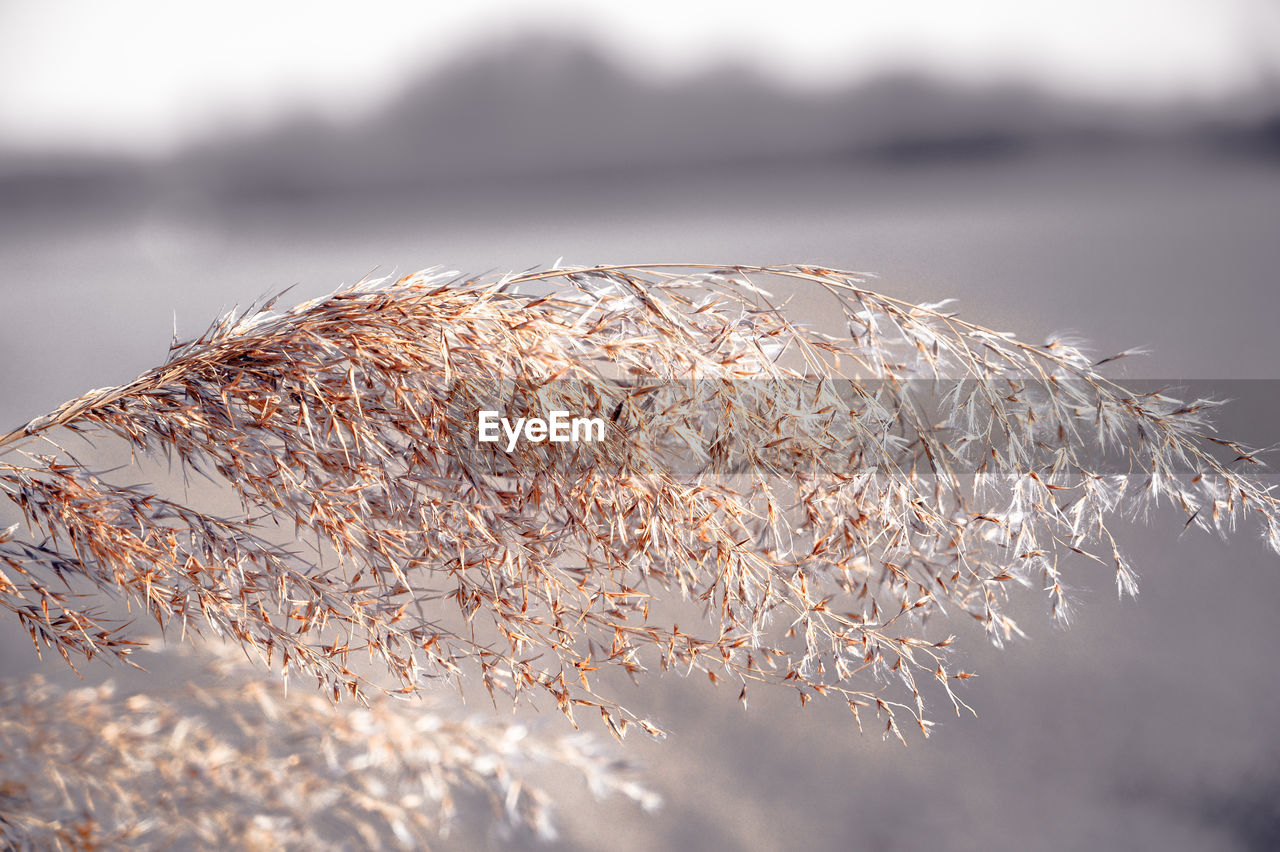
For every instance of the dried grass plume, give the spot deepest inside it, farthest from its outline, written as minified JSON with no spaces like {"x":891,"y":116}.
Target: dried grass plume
{"x":230,"y":758}
{"x":805,"y":506}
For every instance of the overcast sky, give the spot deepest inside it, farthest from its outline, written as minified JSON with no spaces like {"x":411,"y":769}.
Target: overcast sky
{"x":146,"y":74}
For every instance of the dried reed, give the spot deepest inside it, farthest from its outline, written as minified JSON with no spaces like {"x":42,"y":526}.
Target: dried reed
{"x":231,"y":758}
{"x":816,"y":498}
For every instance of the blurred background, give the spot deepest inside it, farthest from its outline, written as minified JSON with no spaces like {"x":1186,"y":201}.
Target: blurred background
{"x":1110,"y":169}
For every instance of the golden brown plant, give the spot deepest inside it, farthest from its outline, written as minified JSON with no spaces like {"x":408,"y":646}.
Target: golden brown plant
{"x":807,"y":501}
{"x":230,"y":758}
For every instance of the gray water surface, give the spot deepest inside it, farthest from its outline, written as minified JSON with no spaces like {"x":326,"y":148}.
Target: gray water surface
{"x":1149,"y":724}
